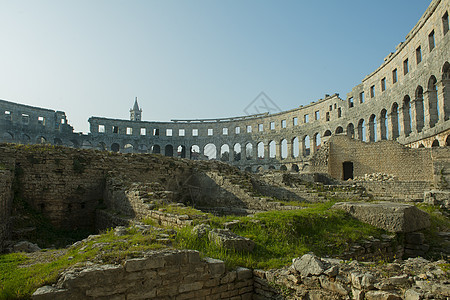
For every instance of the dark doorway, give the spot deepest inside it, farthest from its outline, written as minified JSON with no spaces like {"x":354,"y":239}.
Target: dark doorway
{"x":348,"y":170}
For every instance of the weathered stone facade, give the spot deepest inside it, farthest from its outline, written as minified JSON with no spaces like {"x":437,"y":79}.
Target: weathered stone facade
{"x":406,"y":99}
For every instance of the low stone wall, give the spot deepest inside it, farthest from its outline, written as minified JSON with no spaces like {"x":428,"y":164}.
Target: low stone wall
{"x":396,"y":190}
{"x":168,"y":274}
{"x":5,"y":205}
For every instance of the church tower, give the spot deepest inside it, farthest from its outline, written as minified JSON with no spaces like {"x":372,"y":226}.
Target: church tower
{"x":136,"y":112}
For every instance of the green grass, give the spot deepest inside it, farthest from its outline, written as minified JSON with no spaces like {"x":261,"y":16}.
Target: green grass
{"x":283,"y":235}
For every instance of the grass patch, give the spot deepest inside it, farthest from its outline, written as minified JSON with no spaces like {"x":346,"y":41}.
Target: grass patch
{"x":283,"y":235}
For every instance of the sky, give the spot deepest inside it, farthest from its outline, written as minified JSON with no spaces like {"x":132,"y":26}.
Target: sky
{"x":191,"y":59}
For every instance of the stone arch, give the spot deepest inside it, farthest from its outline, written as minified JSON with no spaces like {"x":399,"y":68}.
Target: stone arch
{"x":237,"y":151}
{"x":327,"y":133}
{"x":248,"y":169}
{"x":249,"y":151}
{"x":317,"y":141}
{"x":406,"y":113}
{"x":446,"y":71}
{"x":433,"y":102}
{"x":271,"y":168}
{"x":57,"y":141}
{"x":210,"y":151}
{"x":260,"y":150}
{"x":194,"y":152}
{"x":26,"y":139}
{"x":351,"y":130}
{"x":181,"y":151}
{"x":421,"y":145}
{"x":259,"y":169}
{"x":418,"y":108}
{"x":115,"y":147}
{"x":306,"y":145}
{"x":372,"y":128}
{"x":447,"y":141}
{"x":272,"y":149}
{"x":362,"y":130}
{"x":7,"y":137}
{"x":142,"y":148}
{"x":339,"y":130}
{"x":41,"y":140}
{"x":384,"y":132}
{"x":394,"y":126}
{"x":156,"y":149}
{"x":101,"y":146}
{"x":294,"y":168}
{"x":128,"y":148}
{"x":225,"y":152}
{"x":283,"y":168}
{"x":295,"y":147}
{"x":284,"y":150}
{"x":435,"y":144}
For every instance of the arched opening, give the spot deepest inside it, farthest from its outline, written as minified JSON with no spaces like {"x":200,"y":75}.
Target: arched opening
{"x":351,"y":131}
{"x":128,"y":148}
{"x":317,"y":141}
{"x":73,"y":143}
{"x":306,"y":146}
{"x":435,"y":144}
{"x":40,"y":140}
{"x":248,"y":169}
{"x":272,"y":149}
{"x":237,"y":152}
{"x":295,"y":168}
{"x":57,"y":141}
{"x":383,"y":125}
{"x":156,"y":149}
{"x":210,"y":151}
{"x":7,"y":137}
{"x":115,"y":147}
{"x":446,"y":89}
{"x":142,"y":148}
{"x":181,"y":151}
{"x":406,"y":111}
{"x":168,"y":150}
{"x":26,"y":139}
{"x":101,"y":146}
{"x":347,"y":170}
{"x":373,"y":128}
{"x":420,"y":117}
{"x":271,"y":168}
{"x":259,"y":169}
{"x":248,"y":151}
{"x":225,"y":152}
{"x":421,"y":145}
{"x":362,"y":130}
{"x":260,"y":147}
{"x":284,"y":150}
{"x":295,"y":147}
{"x":394,"y":121}
{"x":86,"y":145}
{"x":283,"y":168}
{"x":433,"y":101}
{"x":447,"y":141}
{"x":194,"y":152}
{"x":327,"y":133}
{"x":339,"y":130}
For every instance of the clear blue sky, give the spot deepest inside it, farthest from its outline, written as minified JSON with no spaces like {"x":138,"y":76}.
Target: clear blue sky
{"x":191,"y":59}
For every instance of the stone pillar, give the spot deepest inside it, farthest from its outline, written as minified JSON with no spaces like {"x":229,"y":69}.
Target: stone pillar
{"x":277,"y":150}
{"x":266,"y":151}
{"x":380,"y":128}
{"x":444,"y":99}
{"x":429,"y":108}
{"x":290,"y":153}
{"x":414,"y":115}
{"x":391,"y":125}
{"x":300,"y":148}
{"x":231,"y":154}
{"x":401,"y":120}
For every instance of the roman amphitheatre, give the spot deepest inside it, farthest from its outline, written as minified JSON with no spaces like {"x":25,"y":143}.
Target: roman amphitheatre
{"x":343,"y":198}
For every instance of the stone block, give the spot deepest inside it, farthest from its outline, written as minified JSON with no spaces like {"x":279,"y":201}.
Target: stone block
{"x":216,"y":266}
{"x":309,"y":264}
{"x":393,"y":217}
{"x":229,"y":240}
{"x":243,"y":273}
{"x":139,"y":264}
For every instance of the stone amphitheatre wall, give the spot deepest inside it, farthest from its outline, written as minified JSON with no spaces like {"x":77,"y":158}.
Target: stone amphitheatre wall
{"x":406,"y":99}
{"x":5,"y":205}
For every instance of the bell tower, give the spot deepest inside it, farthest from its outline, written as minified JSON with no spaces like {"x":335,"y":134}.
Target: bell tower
{"x":136,"y":112}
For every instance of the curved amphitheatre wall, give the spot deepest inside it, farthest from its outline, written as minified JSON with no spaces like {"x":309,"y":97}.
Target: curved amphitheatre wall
{"x":406,"y":99}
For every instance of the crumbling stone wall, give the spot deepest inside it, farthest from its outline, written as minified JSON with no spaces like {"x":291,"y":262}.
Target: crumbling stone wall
{"x":168,"y":274}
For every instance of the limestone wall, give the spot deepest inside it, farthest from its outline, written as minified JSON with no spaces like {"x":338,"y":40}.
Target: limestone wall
{"x":5,"y":205}
{"x":169,"y":274}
